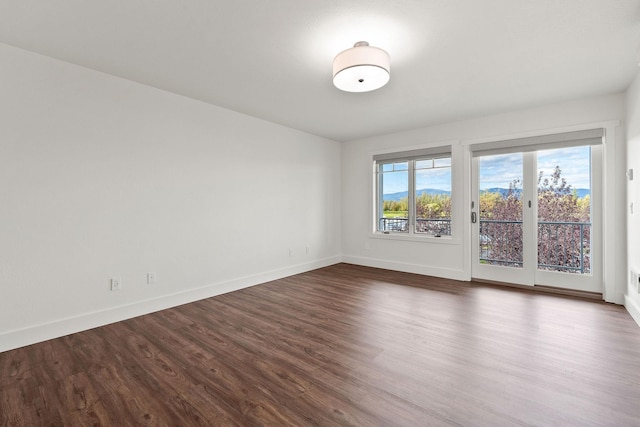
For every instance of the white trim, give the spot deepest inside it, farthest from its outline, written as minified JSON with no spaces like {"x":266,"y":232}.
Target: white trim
{"x":533,"y":143}
{"x":610,"y":291}
{"x":61,"y":327}
{"x":633,"y":308}
{"x":415,"y":237}
{"x":403,"y":148}
{"x":467,"y":226}
{"x":424,"y":153}
{"x":446,"y":273}
{"x":542,"y":132}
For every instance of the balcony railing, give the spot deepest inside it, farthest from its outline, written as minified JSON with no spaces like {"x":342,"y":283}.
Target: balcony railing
{"x":562,"y":246}
{"x":434,"y":226}
{"x":501,"y":242}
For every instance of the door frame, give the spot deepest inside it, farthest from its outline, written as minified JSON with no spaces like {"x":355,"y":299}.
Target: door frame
{"x":529,"y":274}
{"x":614,"y":280}
{"x":519,"y":275}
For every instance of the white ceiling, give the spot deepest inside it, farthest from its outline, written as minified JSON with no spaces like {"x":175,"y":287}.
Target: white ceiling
{"x":450,"y":59}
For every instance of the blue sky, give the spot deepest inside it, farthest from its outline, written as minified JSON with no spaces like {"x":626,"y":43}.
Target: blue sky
{"x":439,"y":179}
{"x":499,"y":171}
{"x":574,"y":163}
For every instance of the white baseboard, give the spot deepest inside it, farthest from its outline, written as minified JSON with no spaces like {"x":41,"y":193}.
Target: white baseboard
{"x":65,"y":326}
{"x":633,"y":308}
{"x":407,"y":267}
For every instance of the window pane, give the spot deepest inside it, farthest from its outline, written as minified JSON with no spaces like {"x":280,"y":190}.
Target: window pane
{"x":394,"y":194}
{"x":444,"y":162}
{"x":424,"y":164}
{"x":416,"y":192}
{"x":401,"y":166}
{"x":433,"y":200}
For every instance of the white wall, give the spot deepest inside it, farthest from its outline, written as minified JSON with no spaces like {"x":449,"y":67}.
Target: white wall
{"x":452,"y":259}
{"x":632,"y":300}
{"x":103,"y":177}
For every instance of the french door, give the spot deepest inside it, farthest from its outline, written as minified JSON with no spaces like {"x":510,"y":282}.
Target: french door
{"x":536,"y":217}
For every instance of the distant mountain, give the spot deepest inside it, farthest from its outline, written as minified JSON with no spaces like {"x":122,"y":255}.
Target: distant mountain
{"x":581,"y":193}
{"x":503,"y":191}
{"x":396,"y":197}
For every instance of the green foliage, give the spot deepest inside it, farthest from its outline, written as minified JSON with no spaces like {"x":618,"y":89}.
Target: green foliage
{"x":395,"y":214}
{"x":433,"y":206}
{"x":396,"y":206}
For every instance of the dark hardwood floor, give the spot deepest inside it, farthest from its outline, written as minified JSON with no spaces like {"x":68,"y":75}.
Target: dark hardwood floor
{"x":342,"y":345}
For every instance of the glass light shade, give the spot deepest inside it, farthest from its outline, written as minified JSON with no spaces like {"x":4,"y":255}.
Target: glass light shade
{"x":362,"y":68}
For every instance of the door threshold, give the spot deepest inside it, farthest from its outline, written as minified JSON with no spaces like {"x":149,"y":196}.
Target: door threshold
{"x":596,"y":296}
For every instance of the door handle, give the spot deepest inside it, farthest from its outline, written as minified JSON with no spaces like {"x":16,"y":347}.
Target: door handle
{"x":474,"y":217}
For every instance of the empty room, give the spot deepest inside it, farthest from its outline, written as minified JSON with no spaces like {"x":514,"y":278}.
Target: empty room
{"x":288,"y":213}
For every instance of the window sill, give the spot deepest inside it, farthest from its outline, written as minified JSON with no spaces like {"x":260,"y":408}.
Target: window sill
{"x":415,"y":238}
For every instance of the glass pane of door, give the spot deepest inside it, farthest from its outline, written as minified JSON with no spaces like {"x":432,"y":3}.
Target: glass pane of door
{"x":500,"y":230}
{"x":564,"y":210}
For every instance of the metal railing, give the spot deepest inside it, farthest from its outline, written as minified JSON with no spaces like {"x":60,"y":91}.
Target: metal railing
{"x":438,"y":227}
{"x":501,"y":242}
{"x":562,"y":246}
{"x":393,"y":224}
{"x":434,"y":226}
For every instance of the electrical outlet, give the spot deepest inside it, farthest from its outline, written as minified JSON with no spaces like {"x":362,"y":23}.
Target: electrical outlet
{"x":151,"y":278}
{"x":116,"y":283}
{"x":308,"y":249}
{"x":291,"y":252}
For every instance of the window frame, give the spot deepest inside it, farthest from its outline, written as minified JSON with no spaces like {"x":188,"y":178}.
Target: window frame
{"x":411,"y":158}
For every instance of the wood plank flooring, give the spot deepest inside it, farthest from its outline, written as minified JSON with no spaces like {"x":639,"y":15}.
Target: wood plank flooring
{"x":342,"y":345}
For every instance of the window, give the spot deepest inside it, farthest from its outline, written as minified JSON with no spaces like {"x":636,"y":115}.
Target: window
{"x":413,"y":192}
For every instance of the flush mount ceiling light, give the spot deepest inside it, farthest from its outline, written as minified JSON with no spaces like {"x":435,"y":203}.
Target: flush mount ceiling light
{"x":361,"y":69}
